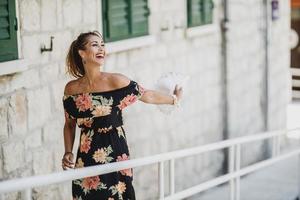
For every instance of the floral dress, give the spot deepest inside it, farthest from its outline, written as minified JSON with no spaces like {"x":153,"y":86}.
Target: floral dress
{"x":102,"y":140}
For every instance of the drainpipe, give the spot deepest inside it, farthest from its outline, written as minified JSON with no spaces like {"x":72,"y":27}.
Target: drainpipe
{"x":267,"y":63}
{"x":268,"y":145}
{"x":224,"y":30}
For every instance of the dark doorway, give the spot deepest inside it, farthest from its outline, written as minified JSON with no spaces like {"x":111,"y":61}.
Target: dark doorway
{"x":295,"y":52}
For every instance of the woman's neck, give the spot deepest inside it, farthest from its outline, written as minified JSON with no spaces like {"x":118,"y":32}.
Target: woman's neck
{"x":92,"y":75}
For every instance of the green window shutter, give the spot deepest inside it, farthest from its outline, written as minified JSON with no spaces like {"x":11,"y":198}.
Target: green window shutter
{"x":8,"y":31}
{"x":199,"y":12}
{"x":208,"y":11}
{"x":139,"y":17}
{"x":195,"y":10}
{"x":116,"y":19}
{"x":124,"y":19}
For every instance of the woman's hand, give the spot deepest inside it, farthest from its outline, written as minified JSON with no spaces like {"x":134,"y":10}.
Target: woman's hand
{"x":67,"y":161}
{"x":178,"y":92}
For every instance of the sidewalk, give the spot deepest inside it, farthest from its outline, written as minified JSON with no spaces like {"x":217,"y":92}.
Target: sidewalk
{"x":277,"y":182}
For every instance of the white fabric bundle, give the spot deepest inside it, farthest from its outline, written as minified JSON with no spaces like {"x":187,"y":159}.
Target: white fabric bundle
{"x":166,"y":85}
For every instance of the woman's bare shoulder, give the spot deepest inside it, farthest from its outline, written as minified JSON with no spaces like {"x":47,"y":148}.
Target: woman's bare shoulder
{"x":71,"y":87}
{"x":120,"y":80}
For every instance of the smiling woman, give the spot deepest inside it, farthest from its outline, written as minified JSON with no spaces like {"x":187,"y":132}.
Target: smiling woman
{"x":95,"y":101}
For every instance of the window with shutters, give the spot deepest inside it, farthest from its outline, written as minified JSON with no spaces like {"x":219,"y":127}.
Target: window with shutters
{"x":8,"y":31}
{"x":200,"y":12}
{"x":123,"y":19}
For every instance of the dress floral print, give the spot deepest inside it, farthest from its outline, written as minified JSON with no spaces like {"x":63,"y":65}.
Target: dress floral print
{"x":102,"y":140}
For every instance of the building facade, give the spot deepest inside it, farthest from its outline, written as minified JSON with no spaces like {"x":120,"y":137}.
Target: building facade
{"x":235,"y":52}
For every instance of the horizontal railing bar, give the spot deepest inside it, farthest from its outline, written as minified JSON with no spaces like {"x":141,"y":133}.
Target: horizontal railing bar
{"x":63,"y":176}
{"x":295,"y":71}
{"x":227,"y":177}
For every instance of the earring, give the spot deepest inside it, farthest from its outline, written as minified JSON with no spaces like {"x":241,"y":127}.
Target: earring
{"x":83,"y":61}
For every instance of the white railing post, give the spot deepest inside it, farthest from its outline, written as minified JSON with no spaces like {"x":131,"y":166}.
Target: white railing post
{"x":172,"y":176}
{"x":276,"y":145}
{"x":231,"y":170}
{"x":161,"y":180}
{"x":298,"y":171}
{"x":237,"y":168}
{"x":234,"y":165}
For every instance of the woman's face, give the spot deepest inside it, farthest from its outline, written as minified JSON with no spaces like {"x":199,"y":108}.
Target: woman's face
{"x":94,"y":52}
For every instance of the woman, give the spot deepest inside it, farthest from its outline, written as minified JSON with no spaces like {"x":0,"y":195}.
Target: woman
{"x":94,"y":101}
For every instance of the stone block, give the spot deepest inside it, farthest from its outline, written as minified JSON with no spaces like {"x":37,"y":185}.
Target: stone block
{"x":122,"y":61}
{"x":31,"y":47}
{"x":1,"y":166}
{"x":34,"y":139}
{"x":11,"y":196}
{"x":57,"y":91}
{"x":53,"y":132}
{"x":3,"y":120}
{"x":5,"y":84}
{"x":90,"y":11}
{"x":48,"y":15}
{"x":110,"y":63}
{"x":42,"y":162}
{"x":69,"y":8}
{"x":39,"y":105}
{"x":13,"y":155}
{"x":17,"y":113}
{"x":59,"y":14}
{"x":146,"y":177}
{"x":29,"y":157}
{"x":177,"y":49}
{"x":30,"y":15}
{"x":166,"y":35}
{"x":49,"y":192}
{"x":49,"y":73}
{"x":63,"y":70}
{"x":65,"y":190}
{"x":58,"y":153}
{"x":170,"y":5}
{"x":136,"y":56}
{"x":61,"y":44}
{"x":154,"y":6}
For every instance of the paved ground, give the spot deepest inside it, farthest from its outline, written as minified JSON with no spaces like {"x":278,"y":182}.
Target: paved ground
{"x":277,"y":182}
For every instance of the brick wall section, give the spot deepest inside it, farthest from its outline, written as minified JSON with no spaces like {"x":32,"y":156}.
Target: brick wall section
{"x":31,"y":112}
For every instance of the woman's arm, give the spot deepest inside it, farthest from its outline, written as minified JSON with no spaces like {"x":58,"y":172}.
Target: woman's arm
{"x":69,"y":136}
{"x":149,"y":96}
{"x":155,"y":97}
{"x":69,"y":133}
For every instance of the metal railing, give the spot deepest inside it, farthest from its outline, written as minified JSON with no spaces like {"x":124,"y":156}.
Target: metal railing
{"x":295,"y":82}
{"x":233,"y":176}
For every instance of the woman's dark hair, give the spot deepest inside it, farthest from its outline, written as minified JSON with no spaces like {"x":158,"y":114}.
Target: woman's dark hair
{"x":73,"y":61}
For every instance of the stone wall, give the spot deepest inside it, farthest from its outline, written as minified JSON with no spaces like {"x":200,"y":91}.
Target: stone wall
{"x":31,"y":112}
{"x":253,"y":108}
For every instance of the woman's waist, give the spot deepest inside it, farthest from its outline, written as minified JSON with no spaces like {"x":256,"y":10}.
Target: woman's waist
{"x":96,"y":123}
